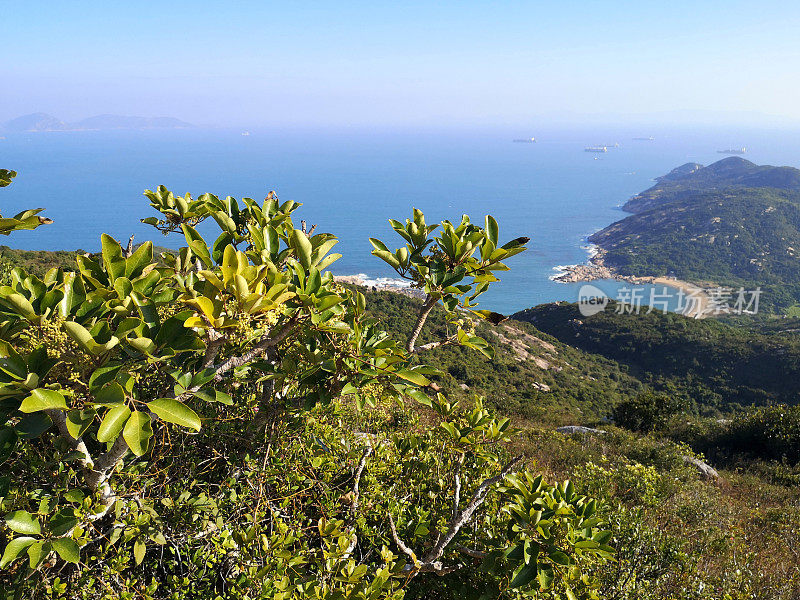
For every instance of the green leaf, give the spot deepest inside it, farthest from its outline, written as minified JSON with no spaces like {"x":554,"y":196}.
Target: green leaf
{"x":111,"y":394}
{"x":491,"y":229}
{"x":102,"y":376}
{"x":525,"y":574}
{"x":74,"y":496}
{"x":135,"y":264}
{"x":139,"y":550}
{"x":23,"y":522}
{"x":78,"y":421}
{"x":137,"y":432}
{"x":62,"y":522}
{"x":8,"y":440}
{"x":67,"y":549}
{"x":113,"y":422}
{"x":559,"y":558}
{"x":388,"y":258}
{"x":546,"y":576}
{"x":37,"y":553}
{"x":378,"y":245}
{"x":13,"y":549}
{"x":33,"y":425}
{"x":42,"y":399}
{"x":602,"y":537}
{"x":85,"y":340}
{"x":412,"y":376}
{"x":113,"y":260}
{"x":302,"y":246}
{"x":214,"y":396}
{"x":175,"y":412}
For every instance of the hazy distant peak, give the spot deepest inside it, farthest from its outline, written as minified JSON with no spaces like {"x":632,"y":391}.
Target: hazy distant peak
{"x":38,"y":121}
{"x":43,"y":122}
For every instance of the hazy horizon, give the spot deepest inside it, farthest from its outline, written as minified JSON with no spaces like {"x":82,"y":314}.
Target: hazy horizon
{"x":455,"y":64}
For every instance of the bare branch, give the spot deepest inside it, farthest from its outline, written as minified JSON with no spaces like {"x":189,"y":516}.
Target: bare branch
{"x":215,"y":342}
{"x":461,"y":518}
{"x":457,"y":491}
{"x":431,"y":563}
{"x":267,"y":342}
{"x":270,"y":341}
{"x":127,"y":252}
{"x":430,"y":346}
{"x":400,"y":543}
{"x":471,"y":551}
{"x":359,"y":471}
{"x":59,"y":418}
{"x":422,"y":316}
{"x":95,"y":471}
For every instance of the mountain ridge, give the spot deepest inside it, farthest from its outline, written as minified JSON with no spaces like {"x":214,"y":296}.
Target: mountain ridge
{"x":731,"y":172}
{"x":40,"y":122}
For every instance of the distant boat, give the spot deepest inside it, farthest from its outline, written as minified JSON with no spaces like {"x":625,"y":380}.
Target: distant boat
{"x":524,"y":140}
{"x":596,"y":149}
{"x":614,"y":145}
{"x":245,"y":133}
{"x":645,"y":139}
{"x":741,"y":150}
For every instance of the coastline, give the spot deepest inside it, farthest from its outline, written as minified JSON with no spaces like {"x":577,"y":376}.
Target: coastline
{"x":384,"y":284}
{"x":595,"y":268}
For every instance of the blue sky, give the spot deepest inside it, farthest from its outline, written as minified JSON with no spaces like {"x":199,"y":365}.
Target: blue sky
{"x":397,"y":63}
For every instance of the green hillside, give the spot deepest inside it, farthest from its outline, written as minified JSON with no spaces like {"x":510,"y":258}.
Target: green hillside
{"x":731,"y":224}
{"x":716,"y":366}
{"x":731,"y":172}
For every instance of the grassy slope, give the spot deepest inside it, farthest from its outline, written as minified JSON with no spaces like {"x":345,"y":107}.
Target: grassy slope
{"x":717,"y":365}
{"x":678,"y":536}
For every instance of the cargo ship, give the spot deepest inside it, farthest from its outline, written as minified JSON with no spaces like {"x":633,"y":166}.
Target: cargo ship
{"x":524,"y":140}
{"x":596,"y":149}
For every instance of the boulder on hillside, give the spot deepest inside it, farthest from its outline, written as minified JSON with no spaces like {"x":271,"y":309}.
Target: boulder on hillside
{"x":704,"y":469}
{"x":570,"y":429}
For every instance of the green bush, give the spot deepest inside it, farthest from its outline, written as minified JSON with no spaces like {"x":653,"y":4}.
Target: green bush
{"x":647,"y":412}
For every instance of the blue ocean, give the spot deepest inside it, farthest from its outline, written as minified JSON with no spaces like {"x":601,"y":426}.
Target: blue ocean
{"x":351,"y":181}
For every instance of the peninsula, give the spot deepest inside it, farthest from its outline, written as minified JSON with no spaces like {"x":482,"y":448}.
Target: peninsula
{"x":732,"y":223}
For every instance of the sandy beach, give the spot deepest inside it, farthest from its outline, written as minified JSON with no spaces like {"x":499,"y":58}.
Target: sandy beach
{"x":697,"y":300}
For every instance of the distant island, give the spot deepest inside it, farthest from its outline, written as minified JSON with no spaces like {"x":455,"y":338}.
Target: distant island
{"x":44,"y":122}
{"x":732,"y":223}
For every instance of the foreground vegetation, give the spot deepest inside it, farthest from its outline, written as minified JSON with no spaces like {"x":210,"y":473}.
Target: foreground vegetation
{"x":230,"y":422}
{"x":370,"y":445}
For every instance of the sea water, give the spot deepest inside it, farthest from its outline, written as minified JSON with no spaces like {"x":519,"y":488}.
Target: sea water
{"x":351,"y":181}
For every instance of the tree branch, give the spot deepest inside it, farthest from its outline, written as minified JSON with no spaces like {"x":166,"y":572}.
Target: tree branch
{"x":430,"y":346}
{"x":461,"y":518}
{"x":400,"y":543}
{"x":127,"y":252}
{"x":422,"y":316}
{"x":359,"y":472}
{"x":431,"y":563}
{"x":260,"y":348}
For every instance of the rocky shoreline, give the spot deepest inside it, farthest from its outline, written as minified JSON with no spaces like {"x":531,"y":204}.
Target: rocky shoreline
{"x":595,"y":269}
{"x":383,"y":284}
